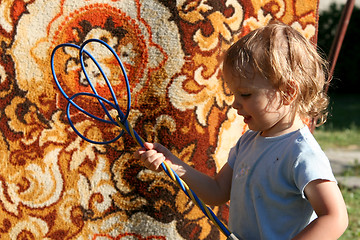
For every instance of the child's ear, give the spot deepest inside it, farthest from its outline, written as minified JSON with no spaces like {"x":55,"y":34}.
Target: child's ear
{"x":291,"y":93}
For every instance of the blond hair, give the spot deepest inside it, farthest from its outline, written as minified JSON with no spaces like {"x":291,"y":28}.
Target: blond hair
{"x":292,"y":64}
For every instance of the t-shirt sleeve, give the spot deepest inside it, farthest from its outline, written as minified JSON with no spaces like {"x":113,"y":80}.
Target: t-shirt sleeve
{"x":312,"y":164}
{"x":232,"y":156}
{"x":233,"y":153}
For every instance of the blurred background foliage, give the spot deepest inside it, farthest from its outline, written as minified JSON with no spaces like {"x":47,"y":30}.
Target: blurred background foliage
{"x":346,"y":77}
{"x":343,"y":127}
{"x":342,"y":130}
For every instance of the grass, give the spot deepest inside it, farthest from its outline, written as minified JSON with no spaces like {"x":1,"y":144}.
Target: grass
{"x":351,"y":197}
{"x":343,"y":131}
{"x":348,"y":138}
{"x":353,"y":170}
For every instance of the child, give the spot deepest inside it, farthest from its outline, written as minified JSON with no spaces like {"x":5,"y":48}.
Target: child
{"x":277,"y":178}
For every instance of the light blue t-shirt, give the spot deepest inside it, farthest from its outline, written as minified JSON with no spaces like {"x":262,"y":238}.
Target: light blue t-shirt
{"x":269,"y":177}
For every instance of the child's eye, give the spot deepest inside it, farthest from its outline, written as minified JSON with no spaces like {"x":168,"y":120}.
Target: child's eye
{"x":245,"y":95}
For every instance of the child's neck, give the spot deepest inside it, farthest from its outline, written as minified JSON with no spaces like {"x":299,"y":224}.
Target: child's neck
{"x":285,"y":127}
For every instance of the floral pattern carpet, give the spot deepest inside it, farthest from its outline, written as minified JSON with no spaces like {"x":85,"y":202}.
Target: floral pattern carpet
{"x":55,"y":185}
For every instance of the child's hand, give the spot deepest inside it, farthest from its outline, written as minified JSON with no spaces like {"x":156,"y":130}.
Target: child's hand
{"x":213,"y":191}
{"x":154,"y":154}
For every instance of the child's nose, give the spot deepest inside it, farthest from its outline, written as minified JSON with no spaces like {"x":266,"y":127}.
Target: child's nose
{"x":237,"y":103}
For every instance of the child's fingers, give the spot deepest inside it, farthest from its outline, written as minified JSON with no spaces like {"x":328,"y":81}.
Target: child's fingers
{"x":137,"y":154}
{"x":148,"y":145}
{"x":158,"y":147}
{"x":154,"y":162}
{"x":152,"y":155}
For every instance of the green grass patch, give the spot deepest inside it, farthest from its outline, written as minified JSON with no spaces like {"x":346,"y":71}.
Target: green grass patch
{"x":353,"y":170}
{"x":338,"y":138}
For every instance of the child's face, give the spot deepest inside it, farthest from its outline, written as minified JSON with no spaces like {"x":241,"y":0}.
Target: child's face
{"x":259,"y":103}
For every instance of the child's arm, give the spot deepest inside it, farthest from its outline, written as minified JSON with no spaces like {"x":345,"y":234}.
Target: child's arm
{"x":213,"y":191}
{"x":326,"y":199}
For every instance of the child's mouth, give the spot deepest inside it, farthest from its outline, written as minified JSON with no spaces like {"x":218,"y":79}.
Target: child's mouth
{"x":247,"y":119}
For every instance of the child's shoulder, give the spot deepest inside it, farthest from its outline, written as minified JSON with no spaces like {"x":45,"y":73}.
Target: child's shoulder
{"x":307,"y":138}
{"x":248,"y":135}
{"x":304,"y":143}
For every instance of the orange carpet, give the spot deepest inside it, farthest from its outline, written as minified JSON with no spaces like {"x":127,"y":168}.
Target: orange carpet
{"x":53,"y":184}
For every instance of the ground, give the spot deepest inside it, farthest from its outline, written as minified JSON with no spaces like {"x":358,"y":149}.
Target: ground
{"x":341,"y":160}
